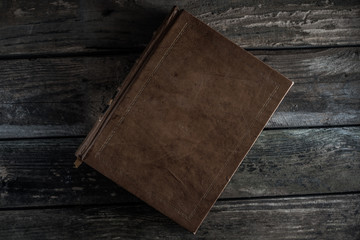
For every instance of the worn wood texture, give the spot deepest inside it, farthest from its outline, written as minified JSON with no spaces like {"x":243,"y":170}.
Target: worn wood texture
{"x":318,"y":217}
{"x":44,"y":27}
{"x":64,"y":96}
{"x":61,"y":60}
{"x":57,"y":96}
{"x":39,"y":172}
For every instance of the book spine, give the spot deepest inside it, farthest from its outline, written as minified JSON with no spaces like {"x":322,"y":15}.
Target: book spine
{"x":120,"y":92}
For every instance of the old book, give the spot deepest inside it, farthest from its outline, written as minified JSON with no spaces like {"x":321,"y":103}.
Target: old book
{"x":183,"y":119}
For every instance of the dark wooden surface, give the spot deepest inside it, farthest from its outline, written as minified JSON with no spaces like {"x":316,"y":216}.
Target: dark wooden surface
{"x":60,"y":62}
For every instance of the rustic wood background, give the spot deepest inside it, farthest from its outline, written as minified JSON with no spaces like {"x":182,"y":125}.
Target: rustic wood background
{"x":61,"y":60}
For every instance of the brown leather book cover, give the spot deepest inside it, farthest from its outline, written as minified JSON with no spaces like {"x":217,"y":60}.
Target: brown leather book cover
{"x":183,"y":119}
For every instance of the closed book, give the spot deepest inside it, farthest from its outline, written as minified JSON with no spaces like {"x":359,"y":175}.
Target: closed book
{"x":183,"y":119}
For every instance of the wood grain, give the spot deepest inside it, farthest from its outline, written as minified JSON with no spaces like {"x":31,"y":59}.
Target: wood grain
{"x":61,"y":60}
{"x":39,"y":172}
{"x":318,"y":217}
{"x":64,"y":96}
{"x":46,"y":27}
{"x":326,"y":90}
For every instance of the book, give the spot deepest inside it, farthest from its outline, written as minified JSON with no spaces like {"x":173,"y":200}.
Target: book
{"x":183,"y":119}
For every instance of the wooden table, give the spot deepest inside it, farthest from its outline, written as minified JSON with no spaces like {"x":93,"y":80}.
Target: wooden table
{"x":61,"y":60}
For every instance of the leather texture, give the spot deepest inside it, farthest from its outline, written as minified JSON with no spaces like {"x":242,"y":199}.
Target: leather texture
{"x":190,"y":111}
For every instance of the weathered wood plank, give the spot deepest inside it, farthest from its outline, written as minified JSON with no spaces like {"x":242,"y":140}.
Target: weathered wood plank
{"x":326,"y":90}
{"x":320,"y":217}
{"x":39,"y":172}
{"x":81,"y":26}
{"x":302,"y":161}
{"x":64,"y":96}
{"x":57,"y":96}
